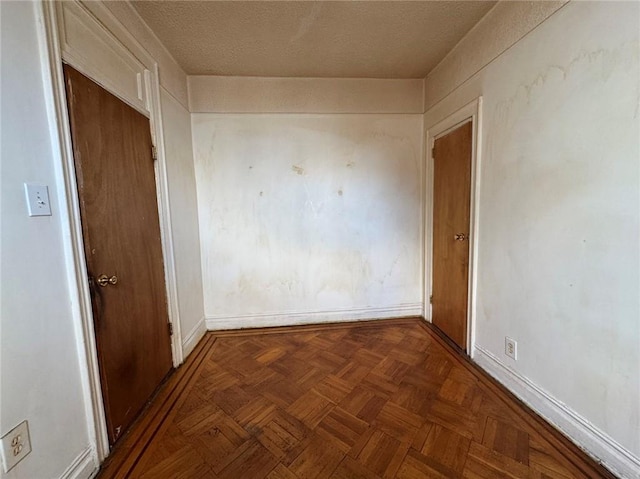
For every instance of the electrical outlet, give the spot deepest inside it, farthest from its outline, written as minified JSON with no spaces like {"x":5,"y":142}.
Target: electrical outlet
{"x":37,"y":199}
{"x":511,"y":348}
{"x":15,"y":446}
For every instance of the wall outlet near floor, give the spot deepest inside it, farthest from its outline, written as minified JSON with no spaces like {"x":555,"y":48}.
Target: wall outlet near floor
{"x":511,"y":348}
{"x":15,"y":446}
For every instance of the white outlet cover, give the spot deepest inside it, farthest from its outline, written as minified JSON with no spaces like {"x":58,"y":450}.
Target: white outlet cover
{"x":16,"y":444}
{"x":511,"y":348}
{"x":37,"y":199}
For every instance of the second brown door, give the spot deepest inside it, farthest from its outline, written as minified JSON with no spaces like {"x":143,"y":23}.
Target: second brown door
{"x":121,"y":232}
{"x":451,"y":224}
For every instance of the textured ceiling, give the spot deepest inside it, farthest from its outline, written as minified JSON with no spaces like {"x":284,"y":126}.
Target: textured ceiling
{"x":349,"y":39}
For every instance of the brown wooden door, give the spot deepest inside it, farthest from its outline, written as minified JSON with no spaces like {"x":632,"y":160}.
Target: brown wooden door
{"x":451,"y":223}
{"x":118,"y":205}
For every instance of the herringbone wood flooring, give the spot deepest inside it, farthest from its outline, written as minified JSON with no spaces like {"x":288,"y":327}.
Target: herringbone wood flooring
{"x":369,"y":400}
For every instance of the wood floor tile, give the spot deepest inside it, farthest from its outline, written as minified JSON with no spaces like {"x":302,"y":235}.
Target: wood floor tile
{"x":398,"y":422}
{"x":541,"y":460}
{"x":413,"y":398}
{"x":284,"y":393}
{"x":255,"y":414}
{"x":270,"y":355}
{"x":416,"y":466}
{"x":333,"y":388}
{"x":310,"y":408}
{"x":217,"y":379}
{"x":318,"y":460}
{"x":232,"y":399}
{"x":455,"y":391}
{"x":458,"y":418}
{"x":384,"y":399}
{"x":264,"y":379}
{"x":281,"y":472}
{"x":284,"y":436}
{"x":194,"y":420}
{"x":184,"y":463}
{"x":383,"y":454}
{"x":353,"y":372}
{"x":363,"y":403}
{"x":161,"y":450}
{"x":220,"y":441}
{"x":255,"y":461}
{"x":351,"y":469}
{"x":342,"y":429}
{"x":482,"y":458}
{"x":507,"y":439}
{"x":446,"y":448}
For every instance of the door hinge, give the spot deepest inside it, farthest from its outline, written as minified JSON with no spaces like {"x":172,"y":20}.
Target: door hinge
{"x":430,"y":299}
{"x":154,"y":153}
{"x":170,"y":329}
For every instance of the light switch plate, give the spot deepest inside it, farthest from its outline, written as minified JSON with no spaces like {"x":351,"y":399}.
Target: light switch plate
{"x":16,"y":444}
{"x":37,"y":199}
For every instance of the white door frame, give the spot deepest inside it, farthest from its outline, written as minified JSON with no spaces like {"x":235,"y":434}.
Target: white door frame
{"x":470,"y":112}
{"x":73,"y":242}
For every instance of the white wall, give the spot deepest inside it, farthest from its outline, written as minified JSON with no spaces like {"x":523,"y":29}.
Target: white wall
{"x":308,"y":217}
{"x":176,"y":124}
{"x":123,"y":20}
{"x":39,"y":374}
{"x":504,"y":25}
{"x":216,"y":94}
{"x":560,"y":221}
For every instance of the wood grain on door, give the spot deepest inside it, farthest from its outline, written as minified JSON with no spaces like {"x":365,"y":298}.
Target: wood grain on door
{"x":451,"y":223}
{"x":121,"y":232}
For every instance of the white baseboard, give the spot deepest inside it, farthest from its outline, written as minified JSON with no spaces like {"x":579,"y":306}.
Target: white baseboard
{"x":588,"y":437}
{"x":217,"y":323}
{"x":192,"y":339}
{"x":84,"y":466}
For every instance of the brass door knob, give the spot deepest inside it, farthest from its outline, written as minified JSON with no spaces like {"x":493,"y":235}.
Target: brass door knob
{"x":104,"y":280}
{"x":460,"y":237}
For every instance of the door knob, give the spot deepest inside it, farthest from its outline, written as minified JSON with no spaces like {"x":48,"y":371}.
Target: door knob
{"x":104,"y":280}
{"x":460,"y":237}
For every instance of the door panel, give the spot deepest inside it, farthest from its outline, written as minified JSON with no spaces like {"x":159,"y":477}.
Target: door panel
{"x":118,"y":205}
{"x":451,"y":219}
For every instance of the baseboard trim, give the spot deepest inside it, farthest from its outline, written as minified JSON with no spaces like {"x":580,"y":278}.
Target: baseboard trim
{"x":588,"y":437}
{"x":84,"y":466}
{"x":219,"y":323}
{"x":192,"y":339}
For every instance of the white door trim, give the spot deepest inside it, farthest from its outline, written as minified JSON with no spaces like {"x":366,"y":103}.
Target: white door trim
{"x":470,"y":112}
{"x":74,"y":246}
{"x":75,"y":259}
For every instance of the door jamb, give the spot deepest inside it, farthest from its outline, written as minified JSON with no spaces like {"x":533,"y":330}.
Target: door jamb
{"x":75,"y":259}
{"x":470,"y":112}
{"x":70,"y":212}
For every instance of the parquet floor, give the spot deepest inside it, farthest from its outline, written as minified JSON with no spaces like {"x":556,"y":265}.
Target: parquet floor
{"x":387,"y":399}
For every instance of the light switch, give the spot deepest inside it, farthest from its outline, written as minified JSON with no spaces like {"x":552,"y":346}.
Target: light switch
{"x":37,"y":199}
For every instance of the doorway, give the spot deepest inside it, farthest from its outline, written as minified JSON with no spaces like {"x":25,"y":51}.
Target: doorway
{"x":116,"y":186}
{"x":452,"y":222}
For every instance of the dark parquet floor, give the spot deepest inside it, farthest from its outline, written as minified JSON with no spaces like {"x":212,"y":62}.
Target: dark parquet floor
{"x":383,"y":399}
